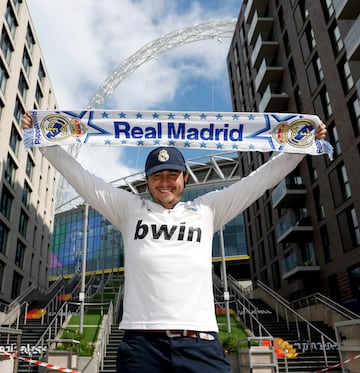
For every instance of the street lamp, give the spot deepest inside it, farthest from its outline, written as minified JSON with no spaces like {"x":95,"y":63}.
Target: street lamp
{"x":224,"y":278}
{"x":83,"y":268}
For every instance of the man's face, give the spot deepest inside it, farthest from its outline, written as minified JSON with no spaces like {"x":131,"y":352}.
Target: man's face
{"x":166,"y":187}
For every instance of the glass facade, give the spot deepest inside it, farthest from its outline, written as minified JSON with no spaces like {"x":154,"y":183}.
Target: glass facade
{"x":105,"y":245}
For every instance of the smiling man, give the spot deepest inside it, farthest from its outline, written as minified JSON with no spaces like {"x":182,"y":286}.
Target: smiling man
{"x":169,"y":313}
{"x":166,"y":176}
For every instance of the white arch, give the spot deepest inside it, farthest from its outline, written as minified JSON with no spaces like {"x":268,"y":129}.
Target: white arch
{"x":210,"y":30}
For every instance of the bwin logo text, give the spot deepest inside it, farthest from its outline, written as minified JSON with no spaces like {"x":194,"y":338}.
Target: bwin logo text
{"x":178,"y":232}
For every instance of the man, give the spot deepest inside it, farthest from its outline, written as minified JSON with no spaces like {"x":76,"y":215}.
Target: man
{"x":169,"y":318}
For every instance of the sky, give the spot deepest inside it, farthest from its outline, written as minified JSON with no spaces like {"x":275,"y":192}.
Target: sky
{"x":83,"y":41}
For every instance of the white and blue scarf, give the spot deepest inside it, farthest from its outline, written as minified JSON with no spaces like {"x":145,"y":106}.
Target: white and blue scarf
{"x":233,"y":131}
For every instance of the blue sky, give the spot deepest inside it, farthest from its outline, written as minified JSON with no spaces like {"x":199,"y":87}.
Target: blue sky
{"x":84,"y":41}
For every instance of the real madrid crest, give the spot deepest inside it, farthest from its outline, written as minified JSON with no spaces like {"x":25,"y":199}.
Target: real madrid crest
{"x":297,"y":134}
{"x":56,"y":127}
{"x":163,"y":156}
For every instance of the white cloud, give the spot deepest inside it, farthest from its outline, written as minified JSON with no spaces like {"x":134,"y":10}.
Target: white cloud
{"x":83,"y":41}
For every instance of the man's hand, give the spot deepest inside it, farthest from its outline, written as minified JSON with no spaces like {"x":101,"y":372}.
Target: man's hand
{"x":26,"y":121}
{"x":320,"y":131}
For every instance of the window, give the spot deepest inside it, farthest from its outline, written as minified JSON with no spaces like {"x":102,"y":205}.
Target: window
{"x":310,"y":37}
{"x":22,"y":86}
{"x":14,"y":140}
{"x":4,"y":232}
{"x":23,"y":223}
{"x":20,"y":254}
{"x":354,"y":109}
{"x":26,"y":61}
{"x":6,"y":202}
{"x":281,"y":18}
{"x":301,"y":15}
{"x":26,"y":195}
{"x":334,"y":139}
{"x":347,"y":80}
{"x":298,"y":100}
{"x":320,"y":211}
{"x":349,"y":229}
{"x":18,"y":110}
{"x":16,"y":4}
{"x":30,"y":41}
{"x":336,"y":39}
{"x":322,"y":104}
{"x":272,"y":245}
{"x":29,"y":166}
{"x":340,"y":186}
{"x":5,"y":45}
{"x":292,"y":71}
{"x":10,"y":171}
{"x":38,"y":94}
{"x":10,"y":19}
{"x":354,"y":277}
{"x":328,"y":8}
{"x":315,"y":73}
{"x":328,"y":255}
{"x":16,"y":285}
{"x":41,"y":73}
{"x":312,"y":169}
{"x":287,"y":45}
{"x":4,"y":76}
{"x":2,"y":270}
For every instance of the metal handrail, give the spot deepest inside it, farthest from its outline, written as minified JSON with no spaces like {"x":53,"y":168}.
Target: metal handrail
{"x":279,"y":300}
{"x":52,"y":329}
{"x":320,"y":298}
{"x":14,"y":314}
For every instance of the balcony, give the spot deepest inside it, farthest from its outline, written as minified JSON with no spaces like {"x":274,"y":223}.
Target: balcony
{"x":267,"y":74}
{"x":300,"y":262}
{"x":346,"y":9}
{"x":352,"y":41}
{"x":290,"y":193}
{"x":274,"y":99}
{"x":252,"y":6}
{"x":293,"y":228}
{"x":263,"y":48}
{"x":260,"y":24}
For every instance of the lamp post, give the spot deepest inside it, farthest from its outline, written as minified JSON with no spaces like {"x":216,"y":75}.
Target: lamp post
{"x":225,"y":284}
{"x":83,"y":268}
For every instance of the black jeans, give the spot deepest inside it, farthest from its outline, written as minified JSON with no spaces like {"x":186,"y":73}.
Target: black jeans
{"x":157,"y":353}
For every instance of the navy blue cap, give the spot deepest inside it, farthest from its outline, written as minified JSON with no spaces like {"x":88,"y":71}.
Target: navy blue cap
{"x":164,"y":158}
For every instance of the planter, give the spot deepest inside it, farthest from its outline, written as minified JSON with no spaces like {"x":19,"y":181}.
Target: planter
{"x":63,"y":359}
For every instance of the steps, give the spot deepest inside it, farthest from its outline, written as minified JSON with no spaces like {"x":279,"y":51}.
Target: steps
{"x":310,"y":352}
{"x":31,"y":333}
{"x":111,"y":350}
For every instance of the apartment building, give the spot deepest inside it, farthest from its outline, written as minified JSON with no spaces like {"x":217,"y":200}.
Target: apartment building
{"x":304,"y":56}
{"x":27,"y":181}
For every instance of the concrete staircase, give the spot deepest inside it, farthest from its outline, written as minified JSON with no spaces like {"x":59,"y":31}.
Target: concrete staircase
{"x":310,"y":352}
{"x":31,"y":333}
{"x":111,"y":350}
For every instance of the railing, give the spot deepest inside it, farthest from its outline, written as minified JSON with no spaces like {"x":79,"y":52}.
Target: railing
{"x":21,"y":297}
{"x":52,"y":329}
{"x":101,"y":346}
{"x":15,"y":314}
{"x":245,"y":307}
{"x":319,"y":298}
{"x":296,"y":317}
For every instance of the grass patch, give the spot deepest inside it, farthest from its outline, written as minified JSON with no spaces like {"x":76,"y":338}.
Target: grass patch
{"x":230,"y":340}
{"x":91,"y":328}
